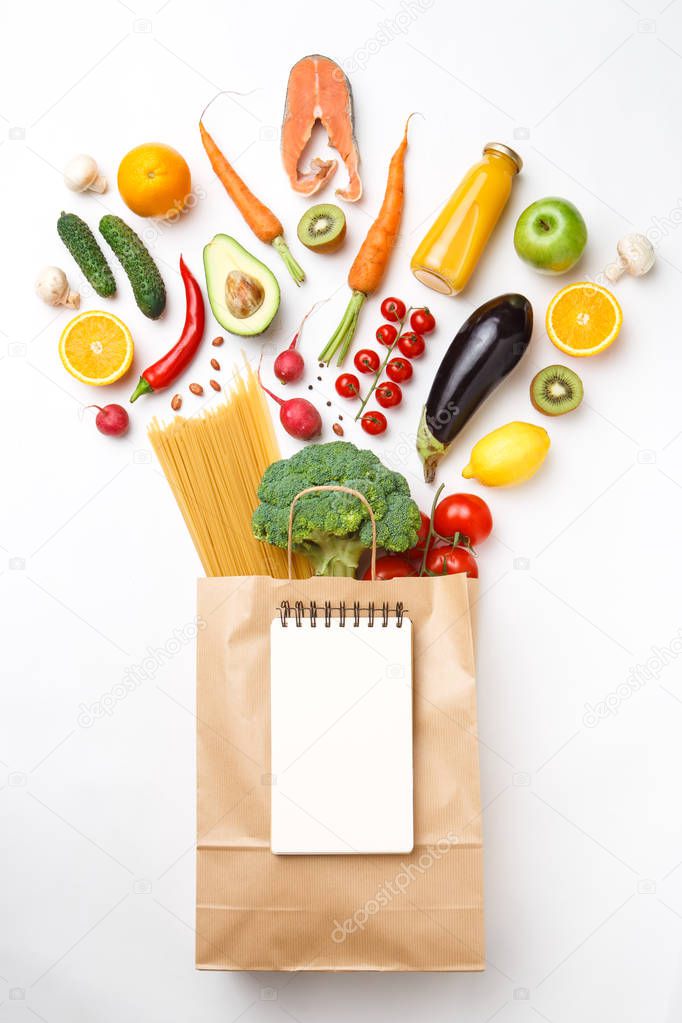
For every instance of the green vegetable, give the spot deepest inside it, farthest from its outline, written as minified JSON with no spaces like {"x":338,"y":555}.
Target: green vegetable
{"x":84,"y":247}
{"x":142,"y":271}
{"x":333,"y":529}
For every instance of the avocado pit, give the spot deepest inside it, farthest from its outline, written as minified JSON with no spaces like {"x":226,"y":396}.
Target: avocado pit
{"x":244,"y":295}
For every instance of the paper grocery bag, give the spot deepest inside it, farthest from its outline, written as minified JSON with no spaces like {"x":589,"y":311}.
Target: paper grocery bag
{"x":259,"y":911}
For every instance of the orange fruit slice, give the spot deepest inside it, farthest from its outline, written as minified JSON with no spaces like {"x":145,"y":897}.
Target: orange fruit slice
{"x":583,"y":319}
{"x":154,"y":180}
{"x":96,"y":348}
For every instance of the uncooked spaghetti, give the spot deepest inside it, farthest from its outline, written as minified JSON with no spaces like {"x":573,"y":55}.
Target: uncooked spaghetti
{"x":214,"y":463}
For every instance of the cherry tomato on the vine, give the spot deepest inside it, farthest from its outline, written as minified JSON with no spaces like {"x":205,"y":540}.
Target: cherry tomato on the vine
{"x":386,"y":334}
{"x":392,"y":566}
{"x":411,"y":345}
{"x":398,"y":370}
{"x":348,"y":385}
{"x":422,"y":535}
{"x":388,"y":394}
{"x":393,"y":309}
{"x":422,"y":321}
{"x":463,"y":513}
{"x":451,"y":560}
{"x":367,"y":361}
{"x":374,"y":422}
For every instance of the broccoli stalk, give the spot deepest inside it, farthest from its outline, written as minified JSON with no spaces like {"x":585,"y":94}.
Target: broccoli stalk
{"x":332,"y":555}
{"x":334,"y":529}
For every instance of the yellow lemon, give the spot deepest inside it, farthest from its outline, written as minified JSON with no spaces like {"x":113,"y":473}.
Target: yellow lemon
{"x":96,"y":347}
{"x":510,"y":454}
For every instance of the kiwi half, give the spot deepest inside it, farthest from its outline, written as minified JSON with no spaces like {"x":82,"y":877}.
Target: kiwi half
{"x":322,"y":228}
{"x":556,"y":390}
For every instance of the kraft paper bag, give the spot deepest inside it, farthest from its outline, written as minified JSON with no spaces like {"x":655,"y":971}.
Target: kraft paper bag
{"x":259,"y":911}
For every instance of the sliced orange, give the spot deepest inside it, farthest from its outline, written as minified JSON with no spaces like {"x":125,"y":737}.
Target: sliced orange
{"x":583,"y":319}
{"x":96,"y":347}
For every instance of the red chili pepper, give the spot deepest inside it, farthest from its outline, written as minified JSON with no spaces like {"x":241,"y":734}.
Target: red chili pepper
{"x":169,"y":366}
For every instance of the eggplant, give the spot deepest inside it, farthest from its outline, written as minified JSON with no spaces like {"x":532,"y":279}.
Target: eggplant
{"x":484,"y":351}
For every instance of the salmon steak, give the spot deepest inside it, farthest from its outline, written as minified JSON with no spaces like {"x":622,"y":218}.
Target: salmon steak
{"x":318,"y":90}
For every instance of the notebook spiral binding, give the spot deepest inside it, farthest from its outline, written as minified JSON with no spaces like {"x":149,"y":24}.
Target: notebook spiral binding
{"x":301,"y":612}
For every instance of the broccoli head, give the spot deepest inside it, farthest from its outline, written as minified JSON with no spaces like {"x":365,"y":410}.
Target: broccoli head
{"x":333,"y":529}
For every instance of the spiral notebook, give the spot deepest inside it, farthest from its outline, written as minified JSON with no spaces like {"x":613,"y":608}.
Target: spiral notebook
{"x":341,"y":730}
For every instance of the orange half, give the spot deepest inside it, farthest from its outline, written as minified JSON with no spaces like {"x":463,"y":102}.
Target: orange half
{"x":96,"y":348}
{"x":583,"y":319}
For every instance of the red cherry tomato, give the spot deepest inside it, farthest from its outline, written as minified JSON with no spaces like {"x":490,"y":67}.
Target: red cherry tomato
{"x":374,"y":422}
{"x":367,"y":361}
{"x":418,"y":549}
{"x":399,"y":370}
{"x":386,"y":334}
{"x":451,"y":560}
{"x":388,"y":394}
{"x":463,"y":513}
{"x":348,"y":385}
{"x":411,"y":345}
{"x":422,"y":321}
{"x":393,"y":309}
{"x":392,"y":566}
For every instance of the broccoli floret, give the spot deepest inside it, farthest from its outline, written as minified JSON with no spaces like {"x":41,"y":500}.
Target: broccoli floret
{"x":333,"y":529}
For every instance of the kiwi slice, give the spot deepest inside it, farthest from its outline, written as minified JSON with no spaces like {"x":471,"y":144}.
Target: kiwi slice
{"x":322,"y":228}
{"x":556,"y":390}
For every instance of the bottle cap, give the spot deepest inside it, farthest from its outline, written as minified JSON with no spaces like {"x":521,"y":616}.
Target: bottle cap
{"x":499,"y":147}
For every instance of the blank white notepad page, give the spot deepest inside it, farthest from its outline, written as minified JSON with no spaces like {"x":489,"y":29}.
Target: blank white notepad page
{"x":341,"y":733}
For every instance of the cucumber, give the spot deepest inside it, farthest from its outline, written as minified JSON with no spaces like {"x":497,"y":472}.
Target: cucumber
{"x":84,"y":247}
{"x":143,"y":274}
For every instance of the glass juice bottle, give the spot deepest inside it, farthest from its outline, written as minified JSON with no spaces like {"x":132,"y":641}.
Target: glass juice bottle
{"x":445,"y":259}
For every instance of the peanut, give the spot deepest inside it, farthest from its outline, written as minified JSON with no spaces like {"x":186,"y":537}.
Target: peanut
{"x":176,"y":402}
{"x":196,"y":388}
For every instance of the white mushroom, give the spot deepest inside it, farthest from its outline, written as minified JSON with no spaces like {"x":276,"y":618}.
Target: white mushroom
{"x":53,"y":287}
{"x":635,"y":256}
{"x":82,"y":173}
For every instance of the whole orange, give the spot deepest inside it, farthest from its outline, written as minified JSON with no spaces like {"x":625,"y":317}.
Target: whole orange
{"x":154,"y":180}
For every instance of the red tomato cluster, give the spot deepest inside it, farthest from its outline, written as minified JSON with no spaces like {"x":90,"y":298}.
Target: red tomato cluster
{"x":410,"y":345}
{"x":444,"y":547}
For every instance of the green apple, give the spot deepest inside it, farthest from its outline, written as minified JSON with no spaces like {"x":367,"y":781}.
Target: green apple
{"x":550,"y":235}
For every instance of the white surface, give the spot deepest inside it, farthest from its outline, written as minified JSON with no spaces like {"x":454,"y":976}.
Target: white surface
{"x":341,"y":737}
{"x":580,"y":582}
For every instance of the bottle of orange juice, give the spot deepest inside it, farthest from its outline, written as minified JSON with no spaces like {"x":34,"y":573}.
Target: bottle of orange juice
{"x":446,"y":257}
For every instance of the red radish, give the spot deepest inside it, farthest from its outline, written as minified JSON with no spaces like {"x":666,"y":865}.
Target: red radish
{"x":111,"y":420}
{"x":289,"y":365}
{"x":298,"y":416}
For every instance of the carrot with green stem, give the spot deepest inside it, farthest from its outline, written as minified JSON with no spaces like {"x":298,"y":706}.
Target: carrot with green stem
{"x":262,"y":221}
{"x":370,"y":264}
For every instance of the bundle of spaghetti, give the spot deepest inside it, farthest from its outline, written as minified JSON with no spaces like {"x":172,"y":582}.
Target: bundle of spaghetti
{"x":214,"y":462}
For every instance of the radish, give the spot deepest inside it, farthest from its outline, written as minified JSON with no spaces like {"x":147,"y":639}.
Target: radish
{"x":111,"y":420}
{"x":289,"y":364}
{"x":298,"y":416}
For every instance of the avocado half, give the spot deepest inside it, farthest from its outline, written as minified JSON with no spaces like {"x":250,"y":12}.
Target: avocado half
{"x":243,"y":293}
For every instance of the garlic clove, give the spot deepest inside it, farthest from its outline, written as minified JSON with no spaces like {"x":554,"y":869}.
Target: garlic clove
{"x":53,"y":287}
{"x":81,"y":174}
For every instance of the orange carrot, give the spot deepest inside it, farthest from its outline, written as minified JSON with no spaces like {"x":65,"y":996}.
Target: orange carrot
{"x":370,"y":264}
{"x":262,"y":221}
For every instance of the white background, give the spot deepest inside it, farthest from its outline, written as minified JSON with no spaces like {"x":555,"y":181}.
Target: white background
{"x":580,"y":582}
